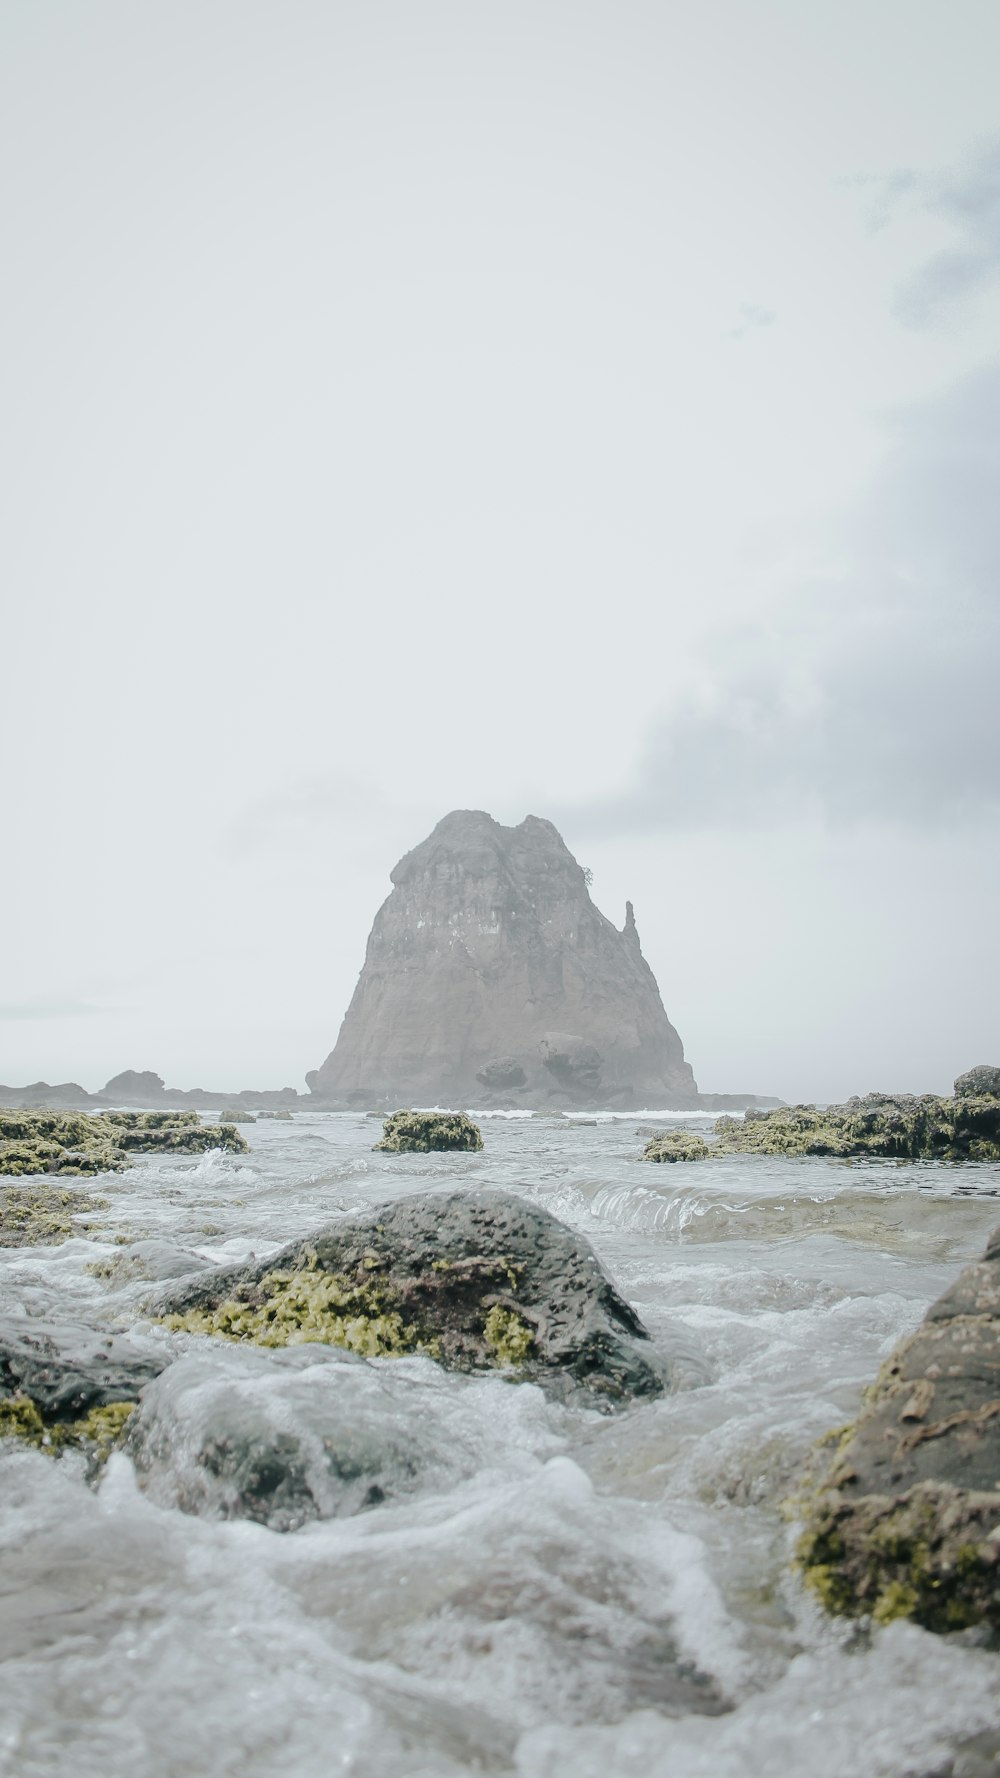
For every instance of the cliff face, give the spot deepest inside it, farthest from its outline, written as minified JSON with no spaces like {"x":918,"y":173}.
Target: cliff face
{"x":491,"y":975}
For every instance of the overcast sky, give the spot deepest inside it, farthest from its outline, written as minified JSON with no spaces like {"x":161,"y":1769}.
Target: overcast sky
{"x":590,"y":410}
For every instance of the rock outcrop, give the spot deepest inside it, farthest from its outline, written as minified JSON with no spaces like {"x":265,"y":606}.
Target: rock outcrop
{"x":490,"y":971}
{"x":479,"y":1280}
{"x":906,"y":1522}
{"x":897,"y":1126}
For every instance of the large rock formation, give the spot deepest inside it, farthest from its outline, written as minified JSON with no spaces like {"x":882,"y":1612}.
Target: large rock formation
{"x":491,"y":976}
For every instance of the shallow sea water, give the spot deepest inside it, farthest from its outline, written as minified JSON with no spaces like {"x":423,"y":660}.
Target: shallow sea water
{"x":542,"y":1591}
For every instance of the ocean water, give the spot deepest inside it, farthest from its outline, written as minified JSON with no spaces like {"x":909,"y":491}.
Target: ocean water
{"x":490,"y":1582}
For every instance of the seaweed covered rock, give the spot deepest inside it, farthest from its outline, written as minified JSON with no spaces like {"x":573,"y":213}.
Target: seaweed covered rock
{"x":425,"y":1132}
{"x":978,"y":1082}
{"x":906,"y":1521}
{"x":676,"y":1145}
{"x":40,"y":1215}
{"x":900,"y":1126}
{"x":77,"y":1143}
{"x":478,"y":1280}
{"x":66,"y":1386}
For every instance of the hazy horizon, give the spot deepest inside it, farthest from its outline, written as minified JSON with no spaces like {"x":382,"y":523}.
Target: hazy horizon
{"x":582,"y":410}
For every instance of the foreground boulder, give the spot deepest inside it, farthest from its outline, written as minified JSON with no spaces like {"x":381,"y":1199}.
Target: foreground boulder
{"x":76,"y":1143}
{"x":424,"y":1132}
{"x":479,"y":1281}
{"x":906,"y":1521}
{"x":903,"y":1126}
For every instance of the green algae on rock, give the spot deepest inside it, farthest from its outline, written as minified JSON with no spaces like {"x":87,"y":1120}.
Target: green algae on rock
{"x":906,"y":1520}
{"x":291,"y":1308}
{"x":80,"y":1144}
{"x":97,"y":1433}
{"x":425,"y":1132}
{"x":42,"y":1215}
{"x":889,"y":1126}
{"x":676,"y":1145}
{"x":479,"y":1280}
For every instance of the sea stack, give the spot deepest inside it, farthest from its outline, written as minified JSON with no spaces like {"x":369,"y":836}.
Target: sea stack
{"x":491,"y":977}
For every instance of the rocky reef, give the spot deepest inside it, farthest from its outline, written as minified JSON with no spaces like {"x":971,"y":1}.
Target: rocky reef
{"x":477,"y":1280}
{"x":426,"y":1132}
{"x":893,"y":1126}
{"x":76,"y":1143}
{"x":906,"y":1520}
{"x":489,"y":971}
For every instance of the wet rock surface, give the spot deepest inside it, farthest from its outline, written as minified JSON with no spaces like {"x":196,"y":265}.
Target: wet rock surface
{"x":481,"y":1280}
{"x":305,"y":1433}
{"x":906,"y":1521}
{"x":68,"y":1367}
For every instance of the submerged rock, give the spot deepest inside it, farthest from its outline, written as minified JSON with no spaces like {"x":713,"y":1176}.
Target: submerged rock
{"x":78,"y":1144}
{"x":478,"y":1280}
{"x":305,"y":1433}
{"x":894,"y":1126}
{"x":906,"y":1521}
{"x":424,"y":1132}
{"x":676,"y":1145}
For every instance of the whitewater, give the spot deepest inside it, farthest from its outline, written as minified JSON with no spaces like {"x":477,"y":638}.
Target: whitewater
{"x":532,"y":1588}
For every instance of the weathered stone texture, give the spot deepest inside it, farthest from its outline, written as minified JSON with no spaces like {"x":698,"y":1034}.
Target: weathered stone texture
{"x":489,"y":968}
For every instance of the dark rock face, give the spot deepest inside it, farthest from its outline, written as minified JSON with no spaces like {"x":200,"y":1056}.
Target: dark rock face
{"x":489,"y":958}
{"x":978,"y":1081}
{"x":906,"y":1522}
{"x":478,"y":1280}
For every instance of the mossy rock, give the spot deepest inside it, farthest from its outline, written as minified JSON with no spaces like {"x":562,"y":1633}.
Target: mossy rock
{"x":97,"y":1433}
{"x":41,"y":1215}
{"x":478,"y":1280}
{"x":426,"y":1132}
{"x":906,"y":1520}
{"x":78,"y":1144}
{"x":676,"y":1145}
{"x":235,"y":1115}
{"x":900,"y":1127}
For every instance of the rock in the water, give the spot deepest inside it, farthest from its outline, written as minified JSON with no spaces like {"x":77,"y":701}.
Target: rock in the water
{"x":65,"y":1386}
{"x":978,"y":1082}
{"x":676,"y":1145}
{"x":906,"y":1522}
{"x":305,"y":1433}
{"x":478,"y":1280}
{"x":77,"y":1143}
{"x":426,"y":1132}
{"x":490,"y":962}
{"x":40,"y":1215}
{"x":899,"y":1126}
